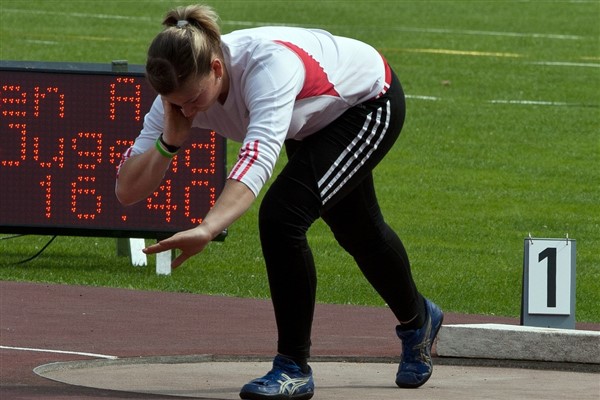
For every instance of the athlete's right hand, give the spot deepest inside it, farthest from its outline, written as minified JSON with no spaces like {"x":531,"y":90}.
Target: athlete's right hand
{"x":177,"y":126}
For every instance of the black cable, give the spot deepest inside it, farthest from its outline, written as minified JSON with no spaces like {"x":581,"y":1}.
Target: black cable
{"x":11,"y":237}
{"x":36,"y":254}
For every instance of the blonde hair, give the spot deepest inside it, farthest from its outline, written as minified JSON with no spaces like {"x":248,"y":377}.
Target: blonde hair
{"x":184,"y":49}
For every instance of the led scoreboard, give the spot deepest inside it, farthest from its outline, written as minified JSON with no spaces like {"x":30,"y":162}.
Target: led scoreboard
{"x":63,"y":130}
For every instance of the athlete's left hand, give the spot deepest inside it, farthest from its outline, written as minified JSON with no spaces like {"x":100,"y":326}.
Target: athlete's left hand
{"x":190,"y":242}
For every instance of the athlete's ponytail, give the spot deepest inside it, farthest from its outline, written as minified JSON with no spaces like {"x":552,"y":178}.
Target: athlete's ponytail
{"x":184,"y":49}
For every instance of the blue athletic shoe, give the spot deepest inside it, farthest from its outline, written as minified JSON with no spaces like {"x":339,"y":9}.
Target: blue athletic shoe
{"x":416,"y":365}
{"x":285,"y":381}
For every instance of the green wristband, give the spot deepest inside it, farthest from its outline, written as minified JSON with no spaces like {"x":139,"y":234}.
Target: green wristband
{"x":161,"y":149}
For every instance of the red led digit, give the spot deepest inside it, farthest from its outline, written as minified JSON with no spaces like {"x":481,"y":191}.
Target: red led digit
{"x":115,"y":151}
{"x":12,"y":106}
{"x":79,"y":188}
{"x":47,"y":186}
{"x":115,"y":157}
{"x":201,"y":185}
{"x":58,"y":157}
{"x":208,"y":160}
{"x":89,"y":148}
{"x":125,"y":90}
{"x":41,"y":95}
{"x":165,"y":204}
{"x":202,"y":163}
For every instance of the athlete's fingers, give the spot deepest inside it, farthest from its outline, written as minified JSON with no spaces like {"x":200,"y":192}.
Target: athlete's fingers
{"x":180,"y":259}
{"x":161,"y":246}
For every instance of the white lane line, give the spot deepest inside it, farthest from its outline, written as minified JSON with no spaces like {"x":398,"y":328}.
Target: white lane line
{"x":519,"y":34}
{"x":542,"y":103}
{"x":566,"y":64}
{"x":78,"y":353}
{"x":417,"y":97}
{"x":517,"y":102}
{"x":530,"y":102}
{"x":487,"y":33}
{"x":462,"y":52}
{"x":423,"y":30}
{"x":268,"y":23}
{"x":78,"y":15}
{"x":44,"y":42}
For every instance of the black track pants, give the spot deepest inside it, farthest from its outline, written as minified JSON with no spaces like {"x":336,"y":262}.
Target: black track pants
{"x":329,"y":176}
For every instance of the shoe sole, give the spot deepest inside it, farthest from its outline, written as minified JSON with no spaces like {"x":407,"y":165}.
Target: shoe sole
{"x":256,"y":396}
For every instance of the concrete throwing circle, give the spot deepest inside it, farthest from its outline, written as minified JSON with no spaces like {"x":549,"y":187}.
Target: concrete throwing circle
{"x":202,"y":377}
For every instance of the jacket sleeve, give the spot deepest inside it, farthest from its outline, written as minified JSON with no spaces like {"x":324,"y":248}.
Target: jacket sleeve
{"x":270,"y":84}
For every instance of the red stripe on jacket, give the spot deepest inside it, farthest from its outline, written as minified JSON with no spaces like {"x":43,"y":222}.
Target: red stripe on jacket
{"x":388,"y":78}
{"x":316,"y":82}
{"x":247,"y":157}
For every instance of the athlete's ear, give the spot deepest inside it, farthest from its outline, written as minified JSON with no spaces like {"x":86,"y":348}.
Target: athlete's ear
{"x":217,"y":67}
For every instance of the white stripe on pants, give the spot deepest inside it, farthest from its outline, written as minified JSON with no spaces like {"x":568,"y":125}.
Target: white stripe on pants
{"x":355,"y":154}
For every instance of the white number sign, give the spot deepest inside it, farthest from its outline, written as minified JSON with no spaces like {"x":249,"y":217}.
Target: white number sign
{"x":549,"y":287}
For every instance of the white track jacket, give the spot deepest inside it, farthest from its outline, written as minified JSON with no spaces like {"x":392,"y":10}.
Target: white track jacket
{"x":285,"y":83}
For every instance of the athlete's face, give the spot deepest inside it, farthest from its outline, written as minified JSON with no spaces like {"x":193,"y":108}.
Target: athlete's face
{"x":199,"y":94}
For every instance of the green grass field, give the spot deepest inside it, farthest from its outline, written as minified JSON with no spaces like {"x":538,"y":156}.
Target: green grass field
{"x":502,"y":140}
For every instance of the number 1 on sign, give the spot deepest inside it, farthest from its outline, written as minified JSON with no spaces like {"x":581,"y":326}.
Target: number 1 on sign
{"x":550,"y":254}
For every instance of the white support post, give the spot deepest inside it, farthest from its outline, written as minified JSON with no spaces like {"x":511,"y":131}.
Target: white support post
{"x":163,"y":262}
{"x":132,"y":248}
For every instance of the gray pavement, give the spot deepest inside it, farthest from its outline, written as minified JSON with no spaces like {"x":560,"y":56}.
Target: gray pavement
{"x":96,"y":343}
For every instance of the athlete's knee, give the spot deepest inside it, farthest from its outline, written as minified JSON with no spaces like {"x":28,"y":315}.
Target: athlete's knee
{"x":285,"y":212}
{"x":271,"y":212}
{"x":366,"y":240}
